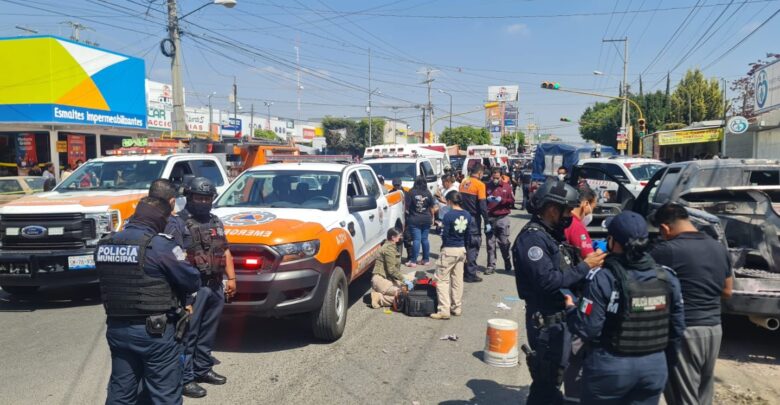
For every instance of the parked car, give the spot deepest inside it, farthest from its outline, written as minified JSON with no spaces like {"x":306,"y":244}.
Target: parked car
{"x":14,"y":187}
{"x":632,"y":172}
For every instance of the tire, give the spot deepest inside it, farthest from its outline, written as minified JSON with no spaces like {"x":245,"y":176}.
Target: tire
{"x":329,"y":321}
{"x":19,"y":289}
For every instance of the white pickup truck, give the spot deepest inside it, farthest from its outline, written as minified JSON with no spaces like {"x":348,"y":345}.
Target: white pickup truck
{"x":299,"y":233}
{"x":49,"y":238}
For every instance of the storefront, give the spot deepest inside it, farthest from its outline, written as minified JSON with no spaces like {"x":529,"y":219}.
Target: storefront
{"x":65,"y":102}
{"x":683,"y":144}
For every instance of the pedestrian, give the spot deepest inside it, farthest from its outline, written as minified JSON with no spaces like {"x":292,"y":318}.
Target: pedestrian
{"x":563,"y":173}
{"x":449,"y":183}
{"x":631,"y":317}
{"x":387,"y":278}
{"x":526,"y":184}
{"x":449,"y":271}
{"x":143,"y":278}
{"x":473,"y":194}
{"x":544,"y":265}
{"x":703,"y":266}
{"x":577,"y":233}
{"x":406,"y":239}
{"x":48,"y":171}
{"x":203,"y":236}
{"x":420,"y":208}
{"x":500,"y":202}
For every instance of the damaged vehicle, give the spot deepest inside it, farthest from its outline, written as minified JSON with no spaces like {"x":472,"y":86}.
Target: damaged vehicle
{"x":736,"y":201}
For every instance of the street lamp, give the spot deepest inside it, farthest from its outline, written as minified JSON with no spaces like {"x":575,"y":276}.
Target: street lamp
{"x":444,"y":92}
{"x":268,"y":105}
{"x":368,"y":110}
{"x":171,"y":47}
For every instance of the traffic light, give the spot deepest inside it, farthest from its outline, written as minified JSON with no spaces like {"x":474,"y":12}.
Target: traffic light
{"x":642,"y":127}
{"x":564,"y":119}
{"x":551,"y":85}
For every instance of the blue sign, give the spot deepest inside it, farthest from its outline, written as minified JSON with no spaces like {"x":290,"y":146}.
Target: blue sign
{"x":762,"y":88}
{"x":234,"y":124}
{"x":738,"y":125}
{"x":510,"y":123}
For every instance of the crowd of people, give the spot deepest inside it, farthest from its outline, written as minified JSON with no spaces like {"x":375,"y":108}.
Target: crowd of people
{"x":613,"y":321}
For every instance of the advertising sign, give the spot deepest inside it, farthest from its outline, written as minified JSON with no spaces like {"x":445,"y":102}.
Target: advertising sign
{"x":690,"y":136}
{"x":503,"y":93}
{"x":308,"y":133}
{"x":48,"y":79}
{"x":738,"y":125}
{"x":231,"y":127}
{"x":495,"y":138}
{"x":767,"y":87}
{"x":77,"y":149}
{"x":26,"y":153}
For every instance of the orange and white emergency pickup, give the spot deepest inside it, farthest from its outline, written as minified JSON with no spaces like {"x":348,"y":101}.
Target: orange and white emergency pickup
{"x":299,"y":233}
{"x":49,"y":238}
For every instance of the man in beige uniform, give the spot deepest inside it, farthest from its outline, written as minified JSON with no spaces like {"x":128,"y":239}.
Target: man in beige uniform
{"x":387,"y":277}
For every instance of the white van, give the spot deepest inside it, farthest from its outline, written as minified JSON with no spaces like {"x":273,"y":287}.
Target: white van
{"x":436,"y":153}
{"x":406,"y":169}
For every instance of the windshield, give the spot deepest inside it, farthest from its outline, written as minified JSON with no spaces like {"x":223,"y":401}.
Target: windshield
{"x":644,"y":172}
{"x":127,"y":175}
{"x":283,"y":189}
{"x":392,"y":171}
{"x":36,"y":183}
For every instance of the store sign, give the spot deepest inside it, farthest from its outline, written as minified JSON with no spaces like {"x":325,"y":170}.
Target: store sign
{"x":160,"y":117}
{"x":62,"y":146}
{"x":54,"y":80}
{"x":26,"y":152}
{"x":690,"y":136}
{"x":767,"y":87}
{"x":503,"y":93}
{"x":77,"y":149}
{"x":308,"y":133}
{"x":738,"y":125}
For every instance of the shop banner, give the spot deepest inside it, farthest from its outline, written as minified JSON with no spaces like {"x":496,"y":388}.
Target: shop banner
{"x":77,"y":149}
{"x":767,"y":87}
{"x":26,"y":154}
{"x":690,"y":136}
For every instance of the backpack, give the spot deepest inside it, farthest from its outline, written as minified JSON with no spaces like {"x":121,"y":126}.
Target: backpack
{"x":421,"y":301}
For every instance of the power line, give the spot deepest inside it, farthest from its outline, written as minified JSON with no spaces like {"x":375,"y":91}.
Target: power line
{"x":741,"y":41}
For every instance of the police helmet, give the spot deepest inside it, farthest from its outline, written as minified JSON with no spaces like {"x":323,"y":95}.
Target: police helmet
{"x":202,"y":186}
{"x":556,"y":192}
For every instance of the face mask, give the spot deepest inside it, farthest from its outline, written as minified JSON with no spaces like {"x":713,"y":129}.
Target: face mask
{"x":496,"y":181}
{"x":587,"y":219}
{"x":561,"y":177}
{"x":198,"y":209}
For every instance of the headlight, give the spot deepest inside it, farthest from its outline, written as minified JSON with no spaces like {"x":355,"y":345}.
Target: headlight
{"x":105,"y":222}
{"x":297,"y":251}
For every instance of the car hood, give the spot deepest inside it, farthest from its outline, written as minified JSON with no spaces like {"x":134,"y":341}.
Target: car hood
{"x":274,"y":226}
{"x":76,"y":201}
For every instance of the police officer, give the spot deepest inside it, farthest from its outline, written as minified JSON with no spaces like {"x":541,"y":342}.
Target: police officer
{"x":545,"y":264}
{"x":142,"y":275}
{"x":204,"y":239}
{"x":631,"y":316}
{"x":474,"y":194}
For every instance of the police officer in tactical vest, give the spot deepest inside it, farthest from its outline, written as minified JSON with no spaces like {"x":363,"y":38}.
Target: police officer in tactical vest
{"x":203,"y":237}
{"x":630,"y":316}
{"x":544,"y":265}
{"x":143,"y":273}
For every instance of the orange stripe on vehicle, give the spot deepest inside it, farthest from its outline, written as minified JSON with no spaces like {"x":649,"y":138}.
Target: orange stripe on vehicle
{"x":394,"y":198}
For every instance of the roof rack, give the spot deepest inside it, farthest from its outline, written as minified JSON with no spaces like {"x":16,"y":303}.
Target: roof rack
{"x":344,"y":159}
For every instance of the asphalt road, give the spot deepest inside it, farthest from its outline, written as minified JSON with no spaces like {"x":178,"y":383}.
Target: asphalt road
{"x":53,"y":351}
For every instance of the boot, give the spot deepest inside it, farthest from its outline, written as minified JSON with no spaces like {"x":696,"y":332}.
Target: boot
{"x":375,"y":299}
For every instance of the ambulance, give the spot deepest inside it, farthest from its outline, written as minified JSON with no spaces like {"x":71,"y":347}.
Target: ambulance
{"x":436,"y":153}
{"x":489,"y":156}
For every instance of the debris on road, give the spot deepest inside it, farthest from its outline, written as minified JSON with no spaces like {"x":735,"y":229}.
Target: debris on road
{"x":453,"y":338}
{"x":511,"y":299}
{"x":503,"y":306}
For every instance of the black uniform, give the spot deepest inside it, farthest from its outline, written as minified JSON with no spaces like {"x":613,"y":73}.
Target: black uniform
{"x":142,"y":275}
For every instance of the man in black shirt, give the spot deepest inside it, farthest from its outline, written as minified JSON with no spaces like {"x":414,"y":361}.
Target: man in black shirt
{"x":704,"y":269}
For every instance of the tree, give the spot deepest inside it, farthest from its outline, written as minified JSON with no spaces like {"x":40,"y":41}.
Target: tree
{"x":513,"y":139}
{"x":265,"y":134}
{"x":600,"y":123}
{"x":465,"y":136}
{"x":348,"y":136}
{"x":744,"y":99}
{"x":696,"y":99}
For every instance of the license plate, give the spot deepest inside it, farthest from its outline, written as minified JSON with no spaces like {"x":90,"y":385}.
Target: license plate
{"x":83,"y":262}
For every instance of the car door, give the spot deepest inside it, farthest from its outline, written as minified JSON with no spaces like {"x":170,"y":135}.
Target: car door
{"x":358,"y":222}
{"x":430,"y":177}
{"x":377,"y":221}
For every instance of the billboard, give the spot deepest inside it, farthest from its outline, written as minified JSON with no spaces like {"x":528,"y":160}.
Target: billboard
{"x":159,"y":114}
{"x":690,"y":136}
{"x":48,"y":79}
{"x":503,"y":93}
{"x":767,"y":87}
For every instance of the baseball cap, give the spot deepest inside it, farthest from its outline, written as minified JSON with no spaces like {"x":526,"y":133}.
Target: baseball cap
{"x":626,"y":226}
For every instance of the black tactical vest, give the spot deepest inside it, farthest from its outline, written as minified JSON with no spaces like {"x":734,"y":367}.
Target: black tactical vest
{"x":207,"y":250}
{"x":126,"y":289}
{"x":569,"y":255}
{"x":641,"y":325}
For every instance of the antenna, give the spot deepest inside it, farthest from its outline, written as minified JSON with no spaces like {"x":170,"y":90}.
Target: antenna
{"x":77,"y":28}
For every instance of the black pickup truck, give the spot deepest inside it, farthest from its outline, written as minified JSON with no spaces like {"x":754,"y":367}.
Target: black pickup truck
{"x":736,"y":201}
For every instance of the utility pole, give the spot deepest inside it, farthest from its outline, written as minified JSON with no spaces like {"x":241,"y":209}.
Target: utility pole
{"x":251,"y":120}
{"x":268,"y":105}
{"x":423,"y":125}
{"x":395,"y":123}
{"x":211,"y":111}
{"x":428,"y":80}
{"x":369,"y":99}
{"x":178,"y":124}
{"x":725,"y":106}
{"x":77,"y":28}
{"x":298,"y":86}
{"x":624,"y":91}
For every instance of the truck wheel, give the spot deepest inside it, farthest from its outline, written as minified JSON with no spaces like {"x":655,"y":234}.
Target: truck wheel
{"x":329,"y":321}
{"x":19,"y":289}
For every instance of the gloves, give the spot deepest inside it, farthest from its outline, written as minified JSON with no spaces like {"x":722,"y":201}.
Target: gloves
{"x":409,"y":285}
{"x":494,"y":199}
{"x":488,"y":228}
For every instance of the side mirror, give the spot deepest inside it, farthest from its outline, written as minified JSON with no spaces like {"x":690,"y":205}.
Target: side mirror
{"x":430,"y":179}
{"x":360,"y":203}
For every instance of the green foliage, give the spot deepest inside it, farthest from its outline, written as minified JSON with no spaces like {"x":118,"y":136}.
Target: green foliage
{"x":600,"y":123}
{"x":509,"y":140}
{"x":348,"y":136}
{"x":696,"y":99}
{"x":465,"y":136}
{"x":265,"y":134}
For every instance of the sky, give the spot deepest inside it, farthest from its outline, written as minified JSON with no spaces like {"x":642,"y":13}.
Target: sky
{"x":468,"y":44}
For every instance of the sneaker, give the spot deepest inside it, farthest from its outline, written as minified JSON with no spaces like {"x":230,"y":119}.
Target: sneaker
{"x":439,"y":315}
{"x":425,"y":263}
{"x":488,"y":272}
{"x":411,"y":264}
{"x":457,"y":312}
{"x":475,"y":279}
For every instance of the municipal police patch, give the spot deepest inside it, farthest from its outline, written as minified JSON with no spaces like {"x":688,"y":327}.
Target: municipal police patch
{"x":180,"y":255}
{"x":117,"y":254}
{"x":535,"y":253}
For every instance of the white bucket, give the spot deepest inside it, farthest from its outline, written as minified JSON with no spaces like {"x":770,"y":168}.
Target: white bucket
{"x":501,"y":343}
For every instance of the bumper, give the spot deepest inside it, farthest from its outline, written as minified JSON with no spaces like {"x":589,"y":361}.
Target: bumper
{"x":294,"y":288}
{"x":46,"y":268}
{"x":754,"y":296}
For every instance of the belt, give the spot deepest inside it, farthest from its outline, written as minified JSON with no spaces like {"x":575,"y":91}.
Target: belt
{"x":130,"y":320}
{"x":553,"y":319}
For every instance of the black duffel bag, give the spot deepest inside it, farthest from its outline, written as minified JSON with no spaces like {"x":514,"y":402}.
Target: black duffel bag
{"x":419,"y":302}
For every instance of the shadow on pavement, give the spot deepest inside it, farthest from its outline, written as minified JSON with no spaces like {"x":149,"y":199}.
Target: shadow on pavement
{"x":491,"y":392}
{"x":253,"y":334}
{"x":51,"y":298}
{"x":743,"y":341}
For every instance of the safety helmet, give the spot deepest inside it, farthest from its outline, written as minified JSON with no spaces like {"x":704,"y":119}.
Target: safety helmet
{"x":556,"y":192}
{"x":200,"y":185}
